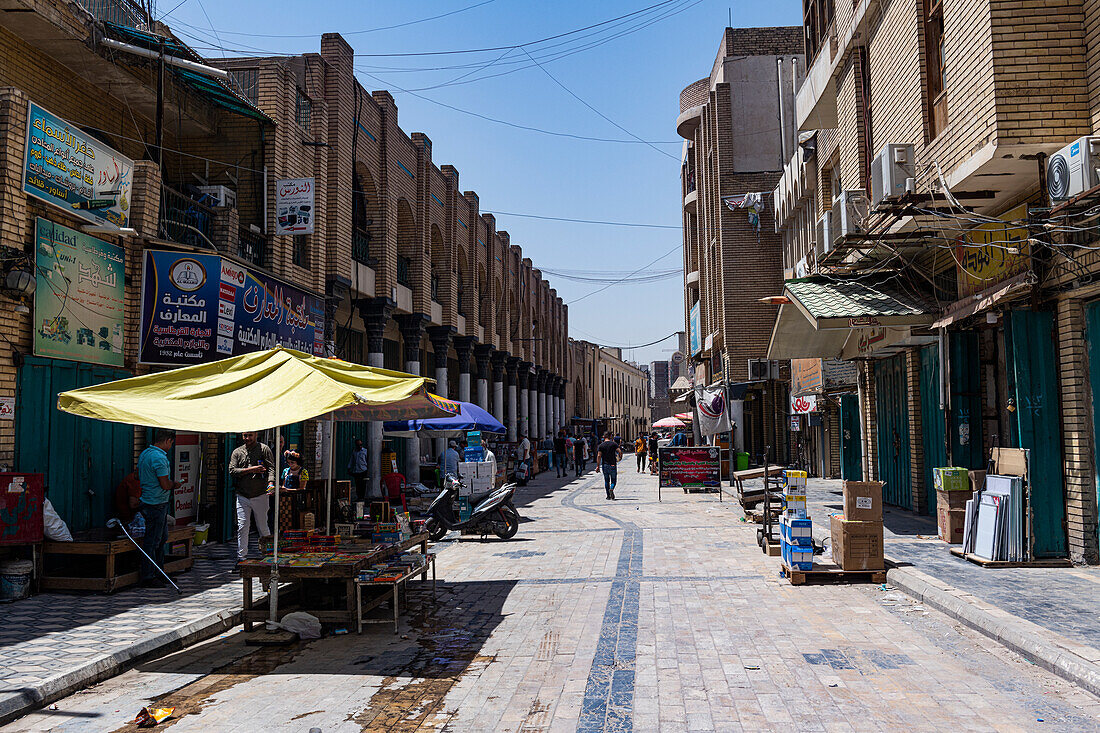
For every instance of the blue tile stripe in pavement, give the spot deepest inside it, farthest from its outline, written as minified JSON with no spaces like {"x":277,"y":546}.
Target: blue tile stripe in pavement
{"x":609,"y":694}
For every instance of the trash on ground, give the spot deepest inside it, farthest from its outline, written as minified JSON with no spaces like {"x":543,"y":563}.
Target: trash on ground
{"x":148,"y":717}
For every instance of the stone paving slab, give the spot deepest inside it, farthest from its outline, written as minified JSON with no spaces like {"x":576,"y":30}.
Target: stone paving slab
{"x":54,"y":643}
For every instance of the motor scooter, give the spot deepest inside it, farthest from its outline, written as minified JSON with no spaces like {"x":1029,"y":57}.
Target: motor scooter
{"x":492,"y":513}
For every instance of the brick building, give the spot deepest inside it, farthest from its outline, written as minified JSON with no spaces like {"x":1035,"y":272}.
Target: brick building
{"x":607,"y":391}
{"x":397,"y":267}
{"x":738,"y":123}
{"x":924,"y":211}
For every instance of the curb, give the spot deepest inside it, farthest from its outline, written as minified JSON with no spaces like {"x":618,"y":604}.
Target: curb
{"x":110,"y":665}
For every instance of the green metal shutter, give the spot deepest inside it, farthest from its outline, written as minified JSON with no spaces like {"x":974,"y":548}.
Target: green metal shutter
{"x":967,"y":448}
{"x":851,"y":447}
{"x":932,"y":420}
{"x":893,"y":431}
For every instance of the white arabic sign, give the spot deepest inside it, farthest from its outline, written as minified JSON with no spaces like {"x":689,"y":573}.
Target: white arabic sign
{"x":294,"y":206}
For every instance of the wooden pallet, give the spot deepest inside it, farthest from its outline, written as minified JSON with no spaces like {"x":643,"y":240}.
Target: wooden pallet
{"x":1045,"y":563}
{"x":828,"y":573}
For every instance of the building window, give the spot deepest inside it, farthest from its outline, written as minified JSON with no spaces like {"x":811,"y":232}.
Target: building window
{"x":934,"y":67}
{"x":817,"y":22}
{"x":247,"y":82}
{"x":403,"y":267}
{"x":435,"y":286}
{"x":300,"y":248}
{"x":302,"y":111}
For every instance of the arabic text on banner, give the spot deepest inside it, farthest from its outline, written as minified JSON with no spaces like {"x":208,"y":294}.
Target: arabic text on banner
{"x":67,"y":167}
{"x":197,"y":308}
{"x":294,"y":210}
{"x":78,"y":297}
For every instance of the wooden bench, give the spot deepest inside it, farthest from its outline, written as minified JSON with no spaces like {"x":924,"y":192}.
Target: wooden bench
{"x":109,"y":575}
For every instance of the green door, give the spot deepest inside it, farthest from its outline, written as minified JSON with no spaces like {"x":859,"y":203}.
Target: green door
{"x":851,"y":447}
{"x":1092,"y":315}
{"x":83,"y":460}
{"x":1029,"y":336}
{"x":893,"y":430}
{"x":967,"y":448}
{"x":931,"y":421}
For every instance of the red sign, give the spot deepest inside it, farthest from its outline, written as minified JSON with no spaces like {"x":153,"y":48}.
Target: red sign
{"x":21,"y":499}
{"x":804,"y":404}
{"x":690,"y":466}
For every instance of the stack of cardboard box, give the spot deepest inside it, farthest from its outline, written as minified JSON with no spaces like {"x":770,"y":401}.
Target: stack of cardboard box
{"x":953,"y":489}
{"x":857,"y":533}
{"x":795,"y":527}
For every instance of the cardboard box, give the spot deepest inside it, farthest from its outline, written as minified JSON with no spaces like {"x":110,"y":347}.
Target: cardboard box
{"x":856,"y":545}
{"x":951,"y":479}
{"x":863,"y":501}
{"x":977,"y":480}
{"x":795,"y":505}
{"x":952,"y":499}
{"x":796,"y":531}
{"x":951,"y":522}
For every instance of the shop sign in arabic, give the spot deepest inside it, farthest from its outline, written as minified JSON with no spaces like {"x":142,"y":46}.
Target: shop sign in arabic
{"x":694,"y":339}
{"x":982,"y":253}
{"x":294,"y":206}
{"x":198,"y":308}
{"x":78,"y":297}
{"x":804,"y":404}
{"x":805,"y":376}
{"x":65,"y":166}
{"x":689,"y":466}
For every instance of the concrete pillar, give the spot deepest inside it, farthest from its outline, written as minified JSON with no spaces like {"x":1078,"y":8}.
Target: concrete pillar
{"x":511,"y":410}
{"x":497,"y":366}
{"x":482,"y":352}
{"x":375,"y":313}
{"x":523,"y":371}
{"x":532,"y":405}
{"x":541,"y":402}
{"x":412,"y":332}
{"x":563,"y":419}
{"x":463,"y":346}
{"x":441,"y":337}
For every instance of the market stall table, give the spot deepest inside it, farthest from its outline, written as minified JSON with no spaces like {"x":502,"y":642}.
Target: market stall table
{"x":116,"y":569}
{"x":323,"y":566}
{"x":397,"y":584}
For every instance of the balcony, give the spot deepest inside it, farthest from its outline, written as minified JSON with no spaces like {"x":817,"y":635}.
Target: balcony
{"x":120,"y":12}
{"x":691,"y":199}
{"x":184,"y":220}
{"x":252,"y":247}
{"x":688,"y":122}
{"x":360,"y":247}
{"x":403,"y":271}
{"x":692,"y":279}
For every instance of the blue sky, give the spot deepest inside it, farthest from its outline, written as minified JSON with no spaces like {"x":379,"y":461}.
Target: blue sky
{"x":633,"y":80}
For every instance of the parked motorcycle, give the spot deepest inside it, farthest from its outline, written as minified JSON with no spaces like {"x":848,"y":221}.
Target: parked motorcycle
{"x":492,"y":513}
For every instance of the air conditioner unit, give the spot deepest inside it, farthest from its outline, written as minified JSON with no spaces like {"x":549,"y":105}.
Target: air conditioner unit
{"x":221,"y":195}
{"x":1074,"y":169}
{"x":801,"y":268}
{"x":762,"y":369}
{"x":892,"y":173}
{"x":824,"y":234}
{"x":850,"y":213}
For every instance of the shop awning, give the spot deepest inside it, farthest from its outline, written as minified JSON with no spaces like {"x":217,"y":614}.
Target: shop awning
{"x":469,"y":417}
{"x":822,"y":315}
{"x":985,"y":300}
{"x":257,"y":391}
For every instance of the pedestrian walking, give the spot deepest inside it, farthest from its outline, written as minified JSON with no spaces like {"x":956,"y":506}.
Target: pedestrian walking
{"x":653,"y":452}
{"x":153,"y":471}
{"x":607,"y":459}
{"x":640,"y":450}
{"x":559,"y":453}
{"x":359,"y":469}
{"x":252,"y":468}
{"x":580,"y":452}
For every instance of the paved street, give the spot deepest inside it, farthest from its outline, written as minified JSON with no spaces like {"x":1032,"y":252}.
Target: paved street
{"x":632,"y":615}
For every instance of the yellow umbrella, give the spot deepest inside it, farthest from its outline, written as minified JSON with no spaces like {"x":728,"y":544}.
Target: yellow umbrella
{"x":256,"y":391}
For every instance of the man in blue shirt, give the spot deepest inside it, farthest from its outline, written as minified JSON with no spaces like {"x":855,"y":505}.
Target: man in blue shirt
{"x":449,"y":460}
{"x":154,"y":475}
{"x":359,"y":469}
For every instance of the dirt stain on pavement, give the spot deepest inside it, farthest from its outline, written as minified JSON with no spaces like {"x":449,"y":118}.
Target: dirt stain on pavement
{"x":190,"y":699}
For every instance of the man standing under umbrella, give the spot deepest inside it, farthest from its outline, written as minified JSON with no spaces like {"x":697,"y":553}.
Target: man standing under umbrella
{"x":252,"y":467}
{"x":153,"y":470}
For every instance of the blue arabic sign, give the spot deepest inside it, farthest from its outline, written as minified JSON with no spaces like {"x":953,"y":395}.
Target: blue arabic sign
{"x":198,"y":307}
{"x":694,"y":340}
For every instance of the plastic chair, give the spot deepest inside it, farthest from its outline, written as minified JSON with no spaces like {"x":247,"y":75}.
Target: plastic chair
{"x":394,"y":486}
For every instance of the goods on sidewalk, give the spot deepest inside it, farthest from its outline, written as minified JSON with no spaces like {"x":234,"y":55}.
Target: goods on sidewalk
{"x":856,"y":545}
{"x":951,"y":479}
{"x":863,"y":501}
{"x":951,"y":514}
{"x":998,"y":528}
{"x":797,"y":543}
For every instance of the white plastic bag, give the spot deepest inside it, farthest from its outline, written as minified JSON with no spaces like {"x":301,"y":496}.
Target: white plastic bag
{"x":305,"y":625}
{"x":54,"y":526}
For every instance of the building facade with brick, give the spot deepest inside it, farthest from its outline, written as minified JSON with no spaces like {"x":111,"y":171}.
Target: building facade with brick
{"x":606,"y":392}
{"x":738,"y":124}
{"x":926,"y":187}
{"x":401,"y":269}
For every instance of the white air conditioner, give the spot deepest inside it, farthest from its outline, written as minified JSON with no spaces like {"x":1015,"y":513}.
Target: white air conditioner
{"x":892,"y":172}
{"x":761,"y":369}
{"x":824,"y":234}
{"x":850,"y":213}
{"x":1074,"y":169}
{"x":222,"y":195}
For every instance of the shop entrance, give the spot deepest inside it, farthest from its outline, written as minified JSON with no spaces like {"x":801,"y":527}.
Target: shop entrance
{"x":893,"y":431}
{"x":1092,"y":315}
{"x":931,"y":421}
{"x":83,"y":460}
{"x":851,"y":445}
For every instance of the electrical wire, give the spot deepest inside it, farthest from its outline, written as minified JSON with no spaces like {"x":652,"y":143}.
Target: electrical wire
{"x":586,"y":221}
{"x":677,"y":248}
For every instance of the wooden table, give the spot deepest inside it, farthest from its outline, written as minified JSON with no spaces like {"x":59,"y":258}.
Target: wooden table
{"x":103,"y":543}
{"x":397,"y":586}
{"x":346,"y":572}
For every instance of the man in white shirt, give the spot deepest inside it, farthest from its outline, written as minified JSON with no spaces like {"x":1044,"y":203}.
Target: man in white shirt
{"x":523,"y":453}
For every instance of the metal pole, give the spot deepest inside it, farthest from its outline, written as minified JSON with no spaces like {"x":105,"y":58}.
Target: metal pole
{"x":273,"y":588}
{"x":331,"y":471}
{"x":160,"y":108}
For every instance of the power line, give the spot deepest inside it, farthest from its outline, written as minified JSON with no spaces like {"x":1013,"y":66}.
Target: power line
{"x":677,"y":248}
{"x":586,"y":221}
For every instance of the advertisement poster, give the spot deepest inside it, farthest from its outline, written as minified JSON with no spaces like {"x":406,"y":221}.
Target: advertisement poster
{"x":79,"y":296}
{"x":804,"y":404}
{"x":67,"y":167}
{"x":693,"y":327}
{"x":197,"y":308}
{"x":805,"y":376}
{"x":294,"y":206}
{"x":188,"y":470}
{"x":983,"y":254}
{"x":689,"y":467}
